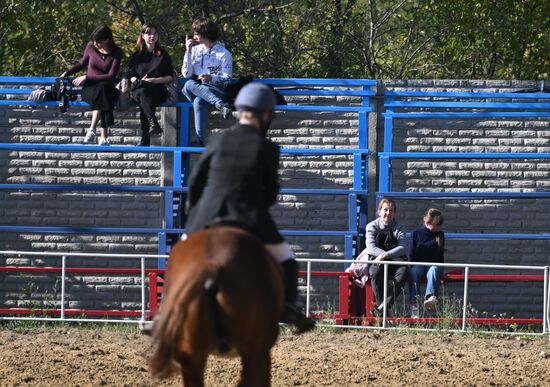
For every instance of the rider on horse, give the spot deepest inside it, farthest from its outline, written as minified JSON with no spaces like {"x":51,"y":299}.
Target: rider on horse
{"x":240,"y":168}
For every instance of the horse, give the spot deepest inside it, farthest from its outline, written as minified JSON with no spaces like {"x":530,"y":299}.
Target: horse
{"x":224,"y":295}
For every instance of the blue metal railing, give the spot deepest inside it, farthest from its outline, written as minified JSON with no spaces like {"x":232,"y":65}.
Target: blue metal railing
{"x":437,"y":105}
{"x":305,"y":87}
{"x":431,"y":105}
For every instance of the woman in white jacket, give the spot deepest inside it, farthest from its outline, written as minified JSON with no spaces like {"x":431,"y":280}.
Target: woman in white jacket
{"x":209,"y":66}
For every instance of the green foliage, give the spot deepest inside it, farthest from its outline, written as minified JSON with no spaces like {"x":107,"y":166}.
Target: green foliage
{"x":481,"y":39}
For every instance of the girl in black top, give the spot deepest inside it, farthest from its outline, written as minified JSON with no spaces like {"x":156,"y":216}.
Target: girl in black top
{"x":427,"y":245}
{"x":150,"y":70}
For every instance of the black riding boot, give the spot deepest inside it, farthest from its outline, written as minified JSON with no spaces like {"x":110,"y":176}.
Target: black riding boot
{"x":145,"y":126}
{"x":155,"y":127}
{"x":292,"y":313}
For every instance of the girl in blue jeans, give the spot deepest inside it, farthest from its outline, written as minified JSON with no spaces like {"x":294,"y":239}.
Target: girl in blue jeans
{"x":427,"y":245}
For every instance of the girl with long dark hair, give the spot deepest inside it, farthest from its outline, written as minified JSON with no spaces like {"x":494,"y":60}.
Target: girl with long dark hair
{"x":150,"y":70}
{"x":101,"y":60}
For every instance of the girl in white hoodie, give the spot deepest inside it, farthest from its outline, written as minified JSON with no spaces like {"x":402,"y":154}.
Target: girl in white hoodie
{"x":209,"y":66}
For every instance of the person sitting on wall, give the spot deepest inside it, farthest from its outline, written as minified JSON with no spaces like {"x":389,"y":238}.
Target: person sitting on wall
{"x":210,"y":66}
{"x":150,"y":70}
{"x":101,"y":60}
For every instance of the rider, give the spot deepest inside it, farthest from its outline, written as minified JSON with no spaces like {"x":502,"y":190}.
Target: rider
{"x":240,"y":168}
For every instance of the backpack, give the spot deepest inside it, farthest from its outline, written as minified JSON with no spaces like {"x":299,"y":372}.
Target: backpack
{"x":60,"y":92}
{"x":40,"y":95}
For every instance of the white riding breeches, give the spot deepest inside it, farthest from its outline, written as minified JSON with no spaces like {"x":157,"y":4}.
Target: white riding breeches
{"x":280,"y":251}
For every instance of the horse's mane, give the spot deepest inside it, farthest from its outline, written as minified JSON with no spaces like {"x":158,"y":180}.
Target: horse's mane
{"x":168,"y":328}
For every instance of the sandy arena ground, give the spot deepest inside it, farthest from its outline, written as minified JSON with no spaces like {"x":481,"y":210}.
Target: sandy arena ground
{"x":116,"y":357}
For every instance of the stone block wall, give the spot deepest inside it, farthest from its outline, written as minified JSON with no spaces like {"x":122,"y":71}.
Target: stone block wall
{"x":310,"y":212}
{"x":505,"y":135}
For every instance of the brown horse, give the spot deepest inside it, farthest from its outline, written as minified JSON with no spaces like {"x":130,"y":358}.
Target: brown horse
{"x":223,"y":295}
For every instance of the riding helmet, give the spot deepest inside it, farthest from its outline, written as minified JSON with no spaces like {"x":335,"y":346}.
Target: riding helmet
{"x":256,"y":97}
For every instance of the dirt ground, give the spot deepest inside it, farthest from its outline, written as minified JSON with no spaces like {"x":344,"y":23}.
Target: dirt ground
{"x":117,"y":357}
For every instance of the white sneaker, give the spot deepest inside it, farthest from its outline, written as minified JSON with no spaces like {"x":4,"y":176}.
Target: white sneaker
{"x":414,"y":311}
{"x":430,"y":303}
{"x":90,"y":136}
{"x":104,"y":141}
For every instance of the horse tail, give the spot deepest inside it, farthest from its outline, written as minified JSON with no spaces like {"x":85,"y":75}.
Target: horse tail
{"x":168,"y":328}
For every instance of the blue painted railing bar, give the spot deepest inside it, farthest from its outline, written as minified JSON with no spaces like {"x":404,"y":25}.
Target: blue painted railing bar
{"x":427,"y":115}
{"x":153,"y":188}
{"x":468,"y":155}
{"x":467,"y":105}
{"x":462,"y":195}
{"x":455,"y":95}
{"x":385,"y":164}
{"x":152,"y":230}
{"x":300,"y":82}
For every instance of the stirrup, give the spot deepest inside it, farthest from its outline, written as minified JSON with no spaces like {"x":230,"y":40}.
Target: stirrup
{"x":292,"y":315}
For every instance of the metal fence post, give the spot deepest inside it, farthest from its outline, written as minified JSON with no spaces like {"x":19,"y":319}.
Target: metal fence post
{"x":63,"y":272}
{"x":143,"y":301}
{"x":308,"y":284}
{"x":465,"y":298}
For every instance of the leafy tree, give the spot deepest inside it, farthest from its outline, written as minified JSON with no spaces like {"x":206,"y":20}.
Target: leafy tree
{"x":504,"y":39}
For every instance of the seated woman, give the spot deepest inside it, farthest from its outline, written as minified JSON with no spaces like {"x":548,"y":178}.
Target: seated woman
{"x":101,"y":60}
{"x":427,"y":245}
{"x":210,"y":67}
{"x":150,"y":70}
{"x":385,"y":241}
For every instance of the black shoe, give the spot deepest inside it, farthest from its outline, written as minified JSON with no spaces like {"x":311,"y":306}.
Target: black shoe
{"x":146,"y":327}
{"x":144,"y":142}
{"x":154,"y":125}
{"x":379,"y":312}
{"x":225,"y":109}
{"x":292,"y":315}
{"x":155,"y":131}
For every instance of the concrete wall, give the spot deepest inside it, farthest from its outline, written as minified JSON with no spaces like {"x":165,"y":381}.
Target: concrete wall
{"x":290,"y":129}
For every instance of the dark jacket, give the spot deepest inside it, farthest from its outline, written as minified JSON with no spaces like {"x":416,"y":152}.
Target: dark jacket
{"x":423,"y":246}
{"x":240,"y":169}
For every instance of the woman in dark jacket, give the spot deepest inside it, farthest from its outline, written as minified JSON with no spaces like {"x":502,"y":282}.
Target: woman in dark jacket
{"x":427,"y":245}
{"x":101,"y":60}
{"x":150,"y":70}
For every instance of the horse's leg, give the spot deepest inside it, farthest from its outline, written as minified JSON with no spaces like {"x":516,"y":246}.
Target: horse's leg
{"x":256,"y":370}
{"x":192,"y":371}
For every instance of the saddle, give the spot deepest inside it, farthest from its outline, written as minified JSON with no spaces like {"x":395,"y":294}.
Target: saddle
{"x":229,"y":222}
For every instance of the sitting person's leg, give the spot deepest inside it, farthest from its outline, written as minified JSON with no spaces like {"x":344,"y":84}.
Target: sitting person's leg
{"x":202,"y":96}
{"x":145,"y":126}
{"x":416,"y":273}
{"x":200,"y":108}
{"x":400,"y":275}
{"x":376,"y":274}
{"x":415,"y":277}
{"x":433,"y":278}
{"x":148,"y":99}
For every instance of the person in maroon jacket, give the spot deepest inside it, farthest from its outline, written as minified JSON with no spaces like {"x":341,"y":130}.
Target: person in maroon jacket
{"x":101,"y":61}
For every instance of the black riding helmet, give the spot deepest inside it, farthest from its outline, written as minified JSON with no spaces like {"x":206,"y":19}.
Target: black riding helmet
{"x":255,"y":97}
